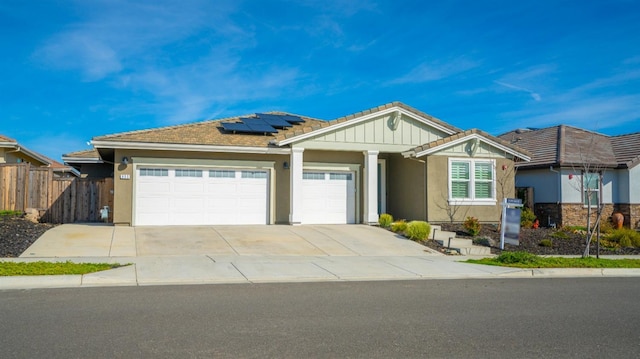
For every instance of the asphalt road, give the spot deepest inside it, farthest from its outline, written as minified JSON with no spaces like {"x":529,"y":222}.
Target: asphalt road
{"x":511,"y":318}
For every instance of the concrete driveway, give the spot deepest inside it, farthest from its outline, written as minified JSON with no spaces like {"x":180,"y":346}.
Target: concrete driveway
{"x":96,"y":240}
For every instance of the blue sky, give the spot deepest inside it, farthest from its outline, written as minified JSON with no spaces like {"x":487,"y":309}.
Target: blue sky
{"x":72,"y":70}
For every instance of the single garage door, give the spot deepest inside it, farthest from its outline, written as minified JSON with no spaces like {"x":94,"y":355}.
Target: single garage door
{"x":328,"y":197}
{"x":188,"y":196}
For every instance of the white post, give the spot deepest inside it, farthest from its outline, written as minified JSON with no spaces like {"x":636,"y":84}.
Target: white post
{"x":295,"y":170}
{"x":504,"y":222}
{"x":371,"y":187}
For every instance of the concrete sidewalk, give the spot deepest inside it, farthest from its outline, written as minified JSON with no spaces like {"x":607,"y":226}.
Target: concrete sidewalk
{"x":173,"y":270}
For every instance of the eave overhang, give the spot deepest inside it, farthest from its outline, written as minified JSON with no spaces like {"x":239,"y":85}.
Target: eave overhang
{"x":187,"y":147}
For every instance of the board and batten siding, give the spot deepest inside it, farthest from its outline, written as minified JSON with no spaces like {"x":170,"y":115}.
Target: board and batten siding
{"x":463,"y":150}
{"x":376,"y":134}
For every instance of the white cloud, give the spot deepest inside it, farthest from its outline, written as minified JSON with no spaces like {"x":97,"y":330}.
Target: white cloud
{"x":533,"y":95}
{"x":437,"y":70}
{"x":116,"y":36}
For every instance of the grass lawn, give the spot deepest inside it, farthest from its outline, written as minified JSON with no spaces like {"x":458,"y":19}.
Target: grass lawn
{"x":49,"y":268}
{"x":528,"y":260}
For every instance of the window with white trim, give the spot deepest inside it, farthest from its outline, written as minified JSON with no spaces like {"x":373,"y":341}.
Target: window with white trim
{"x":188,"y":173}
{"x":154,"y":172}
{"x":313,"y":175}
{"x":340,"y":176}
{"x":591,"y":188}
{"x":254,"y":174}
{"x":222,"y":174}
{"x":472,"y":181}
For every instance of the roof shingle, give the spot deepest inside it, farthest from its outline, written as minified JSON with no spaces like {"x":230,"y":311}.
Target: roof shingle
{"x":570,"y":146}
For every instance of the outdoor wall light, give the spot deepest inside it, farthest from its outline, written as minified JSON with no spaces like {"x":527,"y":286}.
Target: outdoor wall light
{"x":285,"y":165}
{"x":125,"y":160}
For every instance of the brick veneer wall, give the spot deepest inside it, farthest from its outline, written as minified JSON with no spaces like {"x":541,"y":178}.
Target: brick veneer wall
{"x":575,"y":214}
{"x":631,"y":213}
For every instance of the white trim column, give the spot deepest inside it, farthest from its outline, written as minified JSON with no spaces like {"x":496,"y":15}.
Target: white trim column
{"x":371,"y":187}
{"x":295,"y":193}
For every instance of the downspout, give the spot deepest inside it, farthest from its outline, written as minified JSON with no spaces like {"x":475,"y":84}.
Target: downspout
{"x":424,"y":192}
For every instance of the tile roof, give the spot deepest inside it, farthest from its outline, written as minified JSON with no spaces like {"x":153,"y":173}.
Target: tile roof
{"x":206,"y":133}
{"x":86,"y":154}
{"x":627,"y":148}
{"x":309,"y":128}
{"x":7,"y":139}
{"x":568,"y":146}
{"x":459,"y":135}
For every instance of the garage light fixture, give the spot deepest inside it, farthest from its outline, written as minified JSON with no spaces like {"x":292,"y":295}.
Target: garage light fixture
{"x":125,"y":160}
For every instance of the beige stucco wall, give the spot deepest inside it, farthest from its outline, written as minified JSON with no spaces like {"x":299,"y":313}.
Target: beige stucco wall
{"x":405,"y":188}
{"x":123,"y":189}
{"x":438,"y":192}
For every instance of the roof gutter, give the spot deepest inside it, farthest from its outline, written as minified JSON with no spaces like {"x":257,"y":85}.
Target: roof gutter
{"x":30,"y":153}
{"x":185,"y":147}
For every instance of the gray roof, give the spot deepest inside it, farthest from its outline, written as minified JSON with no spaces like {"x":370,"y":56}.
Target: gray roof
{"x":570,"y":146}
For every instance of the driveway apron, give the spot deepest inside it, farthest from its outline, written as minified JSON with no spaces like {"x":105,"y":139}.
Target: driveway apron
{"x":89,"y":240}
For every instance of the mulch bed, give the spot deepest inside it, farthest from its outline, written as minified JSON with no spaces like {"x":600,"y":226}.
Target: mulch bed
{"x":17,"y":234}
{"x":530,"y":241}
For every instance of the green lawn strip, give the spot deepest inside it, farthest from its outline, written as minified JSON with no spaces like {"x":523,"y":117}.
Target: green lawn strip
{"x":49,"y":268}
{"x":527,"y":260}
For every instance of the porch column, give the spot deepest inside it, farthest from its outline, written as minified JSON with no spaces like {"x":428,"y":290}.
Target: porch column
{"x":295,"y":194}
{"x":370,"y":187}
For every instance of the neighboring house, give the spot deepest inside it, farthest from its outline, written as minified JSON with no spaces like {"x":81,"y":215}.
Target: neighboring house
{"x":89,"y":164}
{"x":283,"y":168}
{"x":12,"y":152}
{"x":566,"y":166}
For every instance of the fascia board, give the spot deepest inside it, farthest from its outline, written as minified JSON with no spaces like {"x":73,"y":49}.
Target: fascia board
{"x":185,"y":147}
{"x":364,"y":118}
{"x":471,"y":137}
{"x":35,"y":155}
{"x":81,"y":160}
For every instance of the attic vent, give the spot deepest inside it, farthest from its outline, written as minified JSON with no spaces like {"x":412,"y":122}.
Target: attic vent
{"x":264,"y":123}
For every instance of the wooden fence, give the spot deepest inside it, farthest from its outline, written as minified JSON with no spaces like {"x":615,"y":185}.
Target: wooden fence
{"x":59,"y":200}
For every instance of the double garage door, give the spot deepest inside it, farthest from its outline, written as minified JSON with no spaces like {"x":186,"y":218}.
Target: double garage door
{"x":200,"y":196}
{"x":187,"y":196}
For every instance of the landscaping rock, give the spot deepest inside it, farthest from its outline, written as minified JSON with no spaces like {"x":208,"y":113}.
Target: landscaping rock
{"x":17,"y":234}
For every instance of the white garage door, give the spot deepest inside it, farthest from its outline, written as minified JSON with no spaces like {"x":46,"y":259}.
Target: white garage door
{"x":187,"y":196}
{"x":328,"y":197}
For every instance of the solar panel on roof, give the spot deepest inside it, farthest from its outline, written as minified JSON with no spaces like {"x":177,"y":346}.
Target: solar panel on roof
{"x":258,"y":125}
{"x":288,"y":118}
{"x":274,"y":120}
{"x":293,"y":119}
{"x":236,"y":126}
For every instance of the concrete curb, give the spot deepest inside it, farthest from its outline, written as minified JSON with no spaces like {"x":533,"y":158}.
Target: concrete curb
{"x":276,"y":270}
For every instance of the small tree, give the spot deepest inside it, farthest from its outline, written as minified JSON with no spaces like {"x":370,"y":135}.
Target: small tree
{"x":587,"y":179}
{"x":452,"y":209}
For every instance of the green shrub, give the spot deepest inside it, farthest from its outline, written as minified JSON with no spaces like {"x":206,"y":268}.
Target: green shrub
{"x":517,"y":257}
{"x":625,"y":237}
{"x":472,"y":225}
{"x":560,"y":235}
{"x":418,"y":230}
{"x":482,"y":241}
{"x":7,"y":213}
{"x":527,"y":217}
{"x":385,"y":220}
{"x":546,"y":243}
{"x":399,"y":226}
{"x":606,"y":226}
